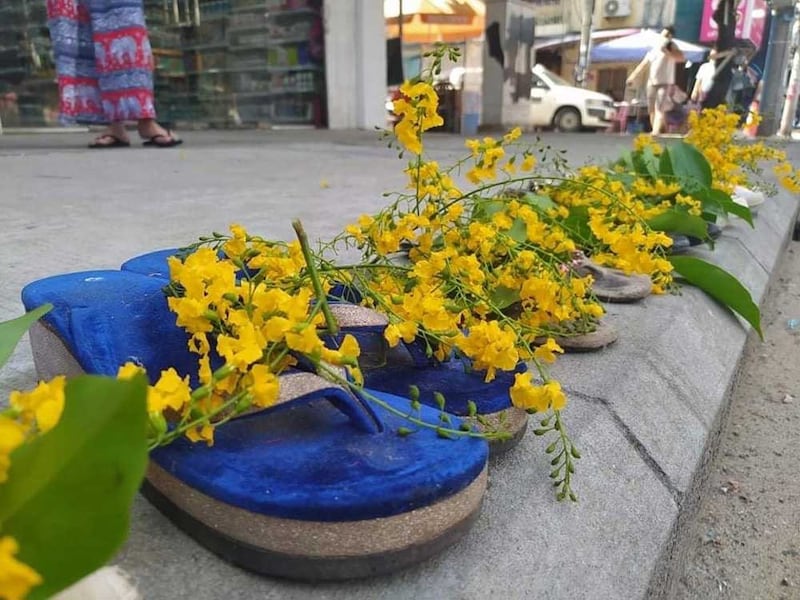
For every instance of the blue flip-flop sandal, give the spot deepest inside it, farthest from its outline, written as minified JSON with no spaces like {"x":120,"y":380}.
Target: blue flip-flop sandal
{"x":152,"y":264}
{"x":394,"y":370}
{"x":321,"y":486}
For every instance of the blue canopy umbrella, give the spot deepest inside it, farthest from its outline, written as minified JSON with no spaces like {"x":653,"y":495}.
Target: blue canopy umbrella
{"x":632,"y":48}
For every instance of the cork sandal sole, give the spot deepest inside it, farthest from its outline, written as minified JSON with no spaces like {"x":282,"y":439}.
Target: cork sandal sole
{"x":512,"y":420}
{"x":315,"y":550}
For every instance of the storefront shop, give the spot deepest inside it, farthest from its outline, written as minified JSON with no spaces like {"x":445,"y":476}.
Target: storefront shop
{"x":219,"y":63}
{"x":28,"y":93}
{"x":239,"y":62}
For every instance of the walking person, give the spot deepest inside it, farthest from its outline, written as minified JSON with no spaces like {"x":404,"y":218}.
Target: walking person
{"x":104,"y":65}
{"x":704,"y":80}
{"x":661,"y":61}
{"x":742,"y":90}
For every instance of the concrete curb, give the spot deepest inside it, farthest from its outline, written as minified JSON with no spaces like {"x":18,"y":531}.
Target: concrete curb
{"x":645,"y":412}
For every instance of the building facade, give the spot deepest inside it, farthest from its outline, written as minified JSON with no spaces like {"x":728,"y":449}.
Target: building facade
{"x":558,"y":33}
{"x":561,"y":17}
{"x":223,"y":63}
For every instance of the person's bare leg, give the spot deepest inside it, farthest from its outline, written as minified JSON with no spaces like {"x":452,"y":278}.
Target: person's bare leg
{"x":651,"y":109}
{"x":658,"y":122}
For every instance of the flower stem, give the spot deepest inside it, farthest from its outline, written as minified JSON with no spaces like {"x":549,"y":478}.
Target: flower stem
{"x":333,"y":326}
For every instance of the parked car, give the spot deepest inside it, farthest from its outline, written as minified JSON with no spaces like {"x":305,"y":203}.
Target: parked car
{"x":556,"y":103}
{"x":565,"y":107}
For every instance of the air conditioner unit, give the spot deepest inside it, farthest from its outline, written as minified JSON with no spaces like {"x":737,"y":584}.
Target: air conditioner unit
{"x":613,"y":9}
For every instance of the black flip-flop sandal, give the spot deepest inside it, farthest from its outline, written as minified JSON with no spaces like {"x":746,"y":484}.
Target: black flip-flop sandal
{"x":684,"y":242}
{"x":115,"y":143}
{"x":170,"y":141}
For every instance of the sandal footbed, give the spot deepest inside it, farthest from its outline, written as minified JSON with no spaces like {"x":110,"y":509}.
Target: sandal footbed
{"x":309,"y":462}
{"x":614,"y":285}
{"x":620,"y":287}
{"x":152,"y":264}
{"x":604,"y":335}
{"x":116,"y":143}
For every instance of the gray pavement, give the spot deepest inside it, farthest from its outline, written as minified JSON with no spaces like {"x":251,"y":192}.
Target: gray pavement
{"x":645,"y":412}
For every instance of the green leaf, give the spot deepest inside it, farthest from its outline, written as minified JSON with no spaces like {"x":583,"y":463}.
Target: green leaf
{"x":721,"y":286}
{"x":578,"y":224}
{"x":538,"y":201}
{"x":12,"y":331}
{"x":689,"y":166}
{"x":518,"y":231}
{"x":503,"y":297}
{"x":718,"y":202}
{"x":483,"y":211}
{"x":626,"y":160}
{"x":743,"y":212}
{"x":651,"y":162}
{"x":678,"y":221}
{"x":665,"y":166}
{"x":643,"y":165}
{"x":626,"y":179}
{"x":68,"y":497}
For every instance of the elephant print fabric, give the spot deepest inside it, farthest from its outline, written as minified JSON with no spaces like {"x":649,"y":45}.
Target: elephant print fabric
{"x":103,"y":58}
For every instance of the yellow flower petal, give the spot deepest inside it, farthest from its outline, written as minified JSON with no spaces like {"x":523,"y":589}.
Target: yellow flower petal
{"x":16,"y":578}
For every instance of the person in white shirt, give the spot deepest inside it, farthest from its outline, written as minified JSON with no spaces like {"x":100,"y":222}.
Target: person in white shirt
{"x":661,"y":61}
{"x":704,"y":79}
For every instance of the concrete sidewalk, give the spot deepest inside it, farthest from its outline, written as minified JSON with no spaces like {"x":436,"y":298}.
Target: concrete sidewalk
{"x":645,"y":413}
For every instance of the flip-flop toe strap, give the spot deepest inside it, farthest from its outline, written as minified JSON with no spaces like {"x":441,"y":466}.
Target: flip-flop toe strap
{"x":302,"y":387}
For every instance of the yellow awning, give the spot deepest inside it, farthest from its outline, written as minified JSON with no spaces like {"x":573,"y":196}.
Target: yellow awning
{"x":428,"y":21}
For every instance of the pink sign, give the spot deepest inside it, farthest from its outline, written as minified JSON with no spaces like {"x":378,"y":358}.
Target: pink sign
{"x":751,"y":19}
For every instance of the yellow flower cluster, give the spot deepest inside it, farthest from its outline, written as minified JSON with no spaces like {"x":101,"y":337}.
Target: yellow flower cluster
{"x":537,"y":398}
{"x":16,"y":578}
{"x":487,"y":156}
{"x":418,"y":112}
{"x":491,"y":346}
{"x":485,"y":275}
{"x":428,"y":181}
{"x":12,"y":434}
{"x":29,"y":414}
{"x":713,"y":132}
{"x":40,"y":408}
{"x":788,"y":176}
{"x":251,"y":305}
{"x":617,"y":217}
